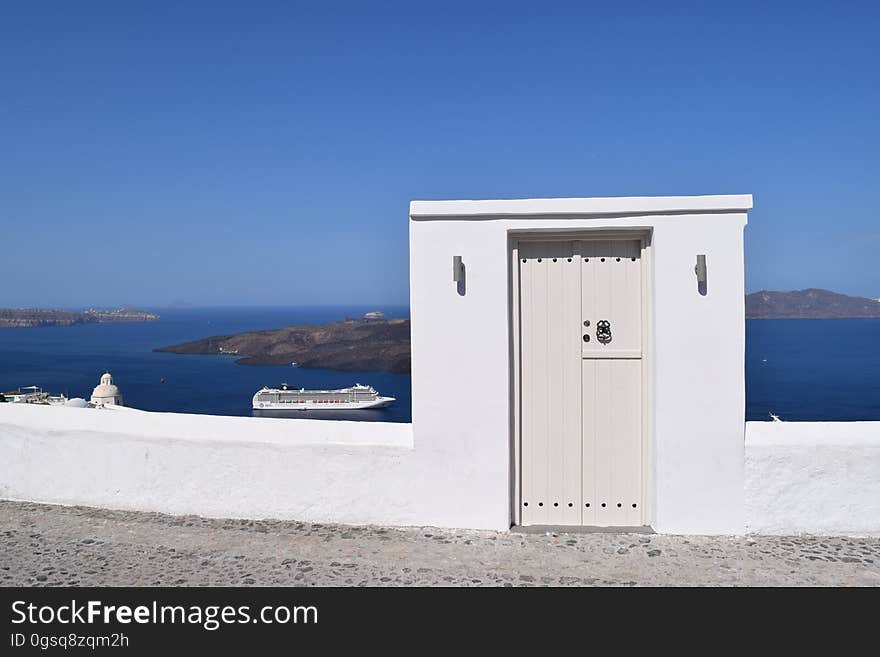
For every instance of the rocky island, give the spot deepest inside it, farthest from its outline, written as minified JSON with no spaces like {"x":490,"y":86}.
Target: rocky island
{"x":811,"y":303}
{"x":351,"y":345}
{"x":30,"y":317}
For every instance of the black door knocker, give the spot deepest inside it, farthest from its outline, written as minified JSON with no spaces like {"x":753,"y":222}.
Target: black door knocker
{"x":603,"y":331}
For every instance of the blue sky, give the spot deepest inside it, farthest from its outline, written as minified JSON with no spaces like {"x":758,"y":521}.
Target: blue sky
{"x":265,"y":152}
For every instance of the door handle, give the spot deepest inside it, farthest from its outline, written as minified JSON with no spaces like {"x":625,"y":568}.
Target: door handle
{"x":603,"y":331}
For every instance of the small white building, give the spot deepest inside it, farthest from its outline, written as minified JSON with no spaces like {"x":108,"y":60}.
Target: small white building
{"x":596,"y":349}
{"x":106,"y":393}
{"x":26,"y":395}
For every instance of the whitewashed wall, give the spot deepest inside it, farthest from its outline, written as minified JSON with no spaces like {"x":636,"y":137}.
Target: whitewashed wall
{"x":813,"y":478}
{"x":208,"y":465}
{"x":311,"y":470}
{"x":461,"y":384}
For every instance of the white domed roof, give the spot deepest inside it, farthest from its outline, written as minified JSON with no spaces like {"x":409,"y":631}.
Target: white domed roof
{"x":77,"y":402}
{"x":106,"y":387}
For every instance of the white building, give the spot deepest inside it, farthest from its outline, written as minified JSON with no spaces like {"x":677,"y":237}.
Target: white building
{"x":586,"y":368}
{"x":106,"y":393}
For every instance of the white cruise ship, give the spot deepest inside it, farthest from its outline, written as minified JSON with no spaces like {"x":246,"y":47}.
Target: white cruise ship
{"x":300,"y":399}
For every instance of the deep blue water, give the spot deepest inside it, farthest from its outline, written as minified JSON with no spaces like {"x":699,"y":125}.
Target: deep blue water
{"x":71,"y":359}
{"x":813,"y":369}
{"x":797,"y":369}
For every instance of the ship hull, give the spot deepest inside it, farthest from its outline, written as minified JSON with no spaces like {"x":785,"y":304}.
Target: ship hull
{"x":381,"y":402}
{"x":288,"y":398}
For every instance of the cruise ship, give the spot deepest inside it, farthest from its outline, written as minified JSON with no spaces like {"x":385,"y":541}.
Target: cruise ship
{"x":299,"y":399}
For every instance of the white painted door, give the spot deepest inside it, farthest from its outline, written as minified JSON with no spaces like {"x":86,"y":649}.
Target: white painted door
{"x":550,"y":283}
{"x":580,"y":334}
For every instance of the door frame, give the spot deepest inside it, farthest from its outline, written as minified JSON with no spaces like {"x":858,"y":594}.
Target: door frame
{"x":644,"y":235}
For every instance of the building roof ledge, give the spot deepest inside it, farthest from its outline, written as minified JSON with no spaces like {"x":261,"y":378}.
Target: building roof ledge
{"x":618,"y":205}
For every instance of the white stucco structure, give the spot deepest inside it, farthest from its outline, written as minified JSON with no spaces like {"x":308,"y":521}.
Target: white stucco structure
{"x":461,"y":344}
{"x":706,"y":471}
{"x":106,"y":393}
{"x":800,"y":477}
{"x":813,"y":477}
{"x":121,"y":458}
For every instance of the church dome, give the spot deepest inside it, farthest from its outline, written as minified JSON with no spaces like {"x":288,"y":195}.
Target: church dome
{"x":106,"y":392}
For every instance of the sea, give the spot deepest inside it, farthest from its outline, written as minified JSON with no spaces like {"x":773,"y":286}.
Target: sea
{"x":71,"y":359}
{"x":800,"y":370}
{"x":817,"y":370}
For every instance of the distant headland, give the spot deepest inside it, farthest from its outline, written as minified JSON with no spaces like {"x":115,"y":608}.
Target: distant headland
{"x":31,"y":317}
{"x":811,"y":303}
{"x":351,"y":345}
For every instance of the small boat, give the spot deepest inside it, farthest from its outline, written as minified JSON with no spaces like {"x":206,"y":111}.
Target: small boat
{"x":294,"y":364}
{"x":299,"y":399}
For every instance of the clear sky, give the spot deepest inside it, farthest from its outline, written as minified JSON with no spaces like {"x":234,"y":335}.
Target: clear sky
{"x":265,"y":152}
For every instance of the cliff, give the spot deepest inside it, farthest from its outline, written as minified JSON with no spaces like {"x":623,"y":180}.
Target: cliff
{"x":30,"y":317}
{"x":353,"y":345}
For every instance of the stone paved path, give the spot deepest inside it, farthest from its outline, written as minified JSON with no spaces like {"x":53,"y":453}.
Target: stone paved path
{"x":52,"y":545}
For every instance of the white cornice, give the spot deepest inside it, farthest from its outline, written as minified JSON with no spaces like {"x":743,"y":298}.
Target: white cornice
{"x":580,"y":206}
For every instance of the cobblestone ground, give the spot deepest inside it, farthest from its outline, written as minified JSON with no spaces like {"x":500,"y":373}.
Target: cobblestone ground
{"x":56,"y":546}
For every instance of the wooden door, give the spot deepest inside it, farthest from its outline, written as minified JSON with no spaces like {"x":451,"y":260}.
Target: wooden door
{"x":580,"y":354}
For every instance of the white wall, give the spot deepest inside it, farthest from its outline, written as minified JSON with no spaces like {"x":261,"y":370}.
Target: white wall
{"x":206,"y":428}
{"x":813,"y":478}
{"x":208,"y":465}
{"x":310,"y":470}
{"x":800,"y":477}
{"x":460,"y":344}
{"x":699,"y":394}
